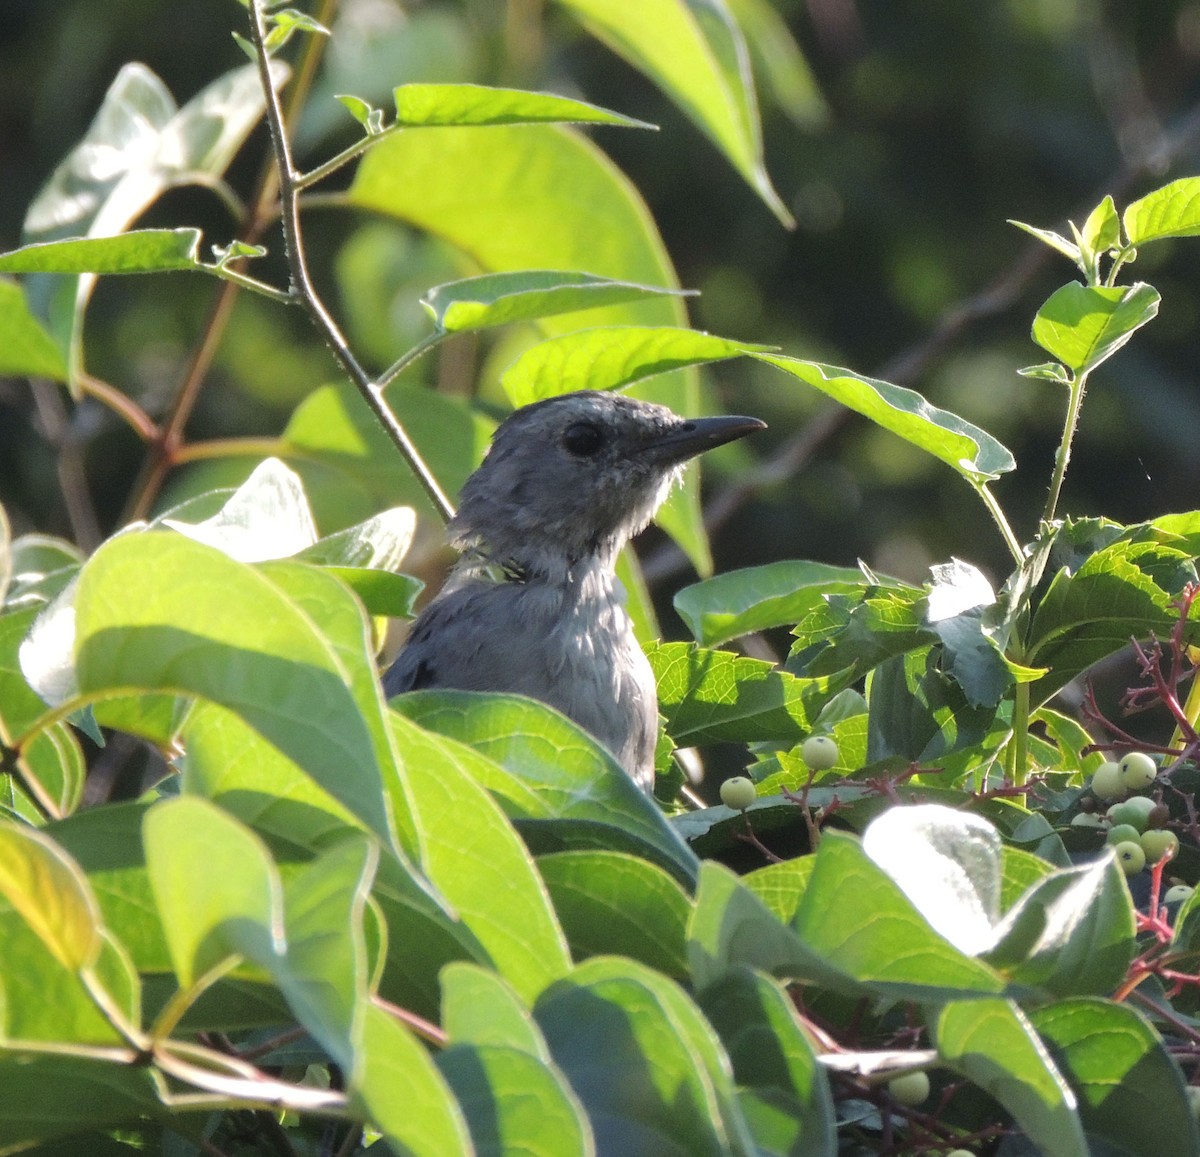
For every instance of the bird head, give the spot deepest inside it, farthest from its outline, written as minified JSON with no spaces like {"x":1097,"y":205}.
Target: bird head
{"x":573,"y":477}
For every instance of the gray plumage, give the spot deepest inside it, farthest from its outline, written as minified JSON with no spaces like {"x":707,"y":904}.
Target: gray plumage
{"x":533,"y":606}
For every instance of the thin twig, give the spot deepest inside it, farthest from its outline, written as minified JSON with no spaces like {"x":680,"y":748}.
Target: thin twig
{"x":69,"y":464}
{"x":304,"y":289}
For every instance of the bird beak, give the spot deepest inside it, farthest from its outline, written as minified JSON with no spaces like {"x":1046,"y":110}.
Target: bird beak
{"x":697,"y":435}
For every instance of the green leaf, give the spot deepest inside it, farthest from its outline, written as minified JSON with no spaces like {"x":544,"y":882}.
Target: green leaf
{"x":379,"y":543}
{"x":756,"y":598}
{"x":693,"y":50}
{"x":54,"y":760}
{"x":138,"y":146}
{"x":1071,"y":933}
{"x":397,"y":1086}
{"x":1101,"y":231}
{"x":524,"y":295}
{"x":141,"y":251}
{"x":27,"y":349}
{"x":1172,"y":211}
{"x":616,"y":904}
{"x":48,"y":1097}
{"x":643,"y":1060}
{"x":479,"y":1007}
{"x":1048,"y":372}
{"x":1055,"y":240}
{"x":520,"y":178}
{"x":381,"y":592}
{"x":159,"y":612}
{"x":477,"y":862}
{"x":238,"y":912}
{"x":1083,"y":325}
{"x":609,"y":357}
{"x":1131,"y":1092}
{"x":992,"y":1043}
{"x":859,"y":921}
{"x":560,"y":787}
{"x":20,"y":705}
{"x":1125,"y":589}
{"x":424,"y":105}
{"x":324,"y":975}
{"x":780,"y":63}
{"x":972,"y":452}
{"x":50,"y":894}
{"x":515,"y":1103}
{"x":731,"y":926}
{"x":783,"y":1092}
{"x":708,"y":696}
{"x":267,"y":517}
{"x":947,"y":863}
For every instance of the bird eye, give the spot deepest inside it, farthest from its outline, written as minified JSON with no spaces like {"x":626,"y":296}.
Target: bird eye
{"x":583,"y":439}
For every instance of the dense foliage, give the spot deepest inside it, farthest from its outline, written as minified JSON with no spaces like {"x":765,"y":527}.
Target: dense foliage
{"x":449,"y":924}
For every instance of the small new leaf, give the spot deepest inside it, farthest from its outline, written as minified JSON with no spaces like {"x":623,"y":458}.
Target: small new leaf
{"x":1054,"y":240}
{"x":367,"y":115}
{"x":1048,"y":372}
{"x":236,"y":251}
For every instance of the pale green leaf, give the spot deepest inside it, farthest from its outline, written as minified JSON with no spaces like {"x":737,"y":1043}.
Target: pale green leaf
{"x":524,"y":295}
{"x":421,"y":105}
{"x":610,"y":357}
{"x":972,"y":452}
{"x":1083,"y":325}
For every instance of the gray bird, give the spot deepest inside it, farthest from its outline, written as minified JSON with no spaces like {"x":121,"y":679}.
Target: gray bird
{"x":533,"y":606}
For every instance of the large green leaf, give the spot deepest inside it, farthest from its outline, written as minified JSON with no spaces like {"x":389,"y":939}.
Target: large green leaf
{"x":239,"y":910}
{"x":397,"y":1086}
{"x":159,"y":612}
{"x":709,"y":696}
{"x":27,"y":348}
{"x":972,"y":452}
{"x":1131,"y":1092}
{"x":524,"y":295}
{"x":617,"y":904}
{"x":560,"y":787}
{"x":776,"y":594}
{"x":858,"y":920}
{"x":46,"y":888}
{"x":992,"y":1043}
{"x":1172,"y":211}
{"x":426,"y":105}
{"x":515,"y":1103}
{"x":693,"y":50}
{"x":1084,"y":325}
{"x":1126,"y":589}
{"x":477,"y":862}
{"x":784,"y":1092}
{"x":542,"y":197}
{"x":645,"y":1063}
{"x":609,"y":357}
{"x":141,"y":251}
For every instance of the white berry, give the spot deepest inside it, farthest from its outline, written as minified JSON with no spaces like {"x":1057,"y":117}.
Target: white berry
{"x":819,"y":752}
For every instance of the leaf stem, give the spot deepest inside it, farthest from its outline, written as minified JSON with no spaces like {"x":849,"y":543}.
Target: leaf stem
{"x":304,"y":289}
{"x":1063,"y":456}
{"x":1020,"y":739}
{"x":405,"y":360}
{"x":228,"y":273}
{"x":1002,"y":524}
{"x":352,"y":152}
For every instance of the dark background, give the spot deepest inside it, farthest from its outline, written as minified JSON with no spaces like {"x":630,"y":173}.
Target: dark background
{"x":931,"y":123}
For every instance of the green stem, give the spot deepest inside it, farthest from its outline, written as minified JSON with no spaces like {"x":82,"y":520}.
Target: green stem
{"x":1020,"y":739}
{"x":1077,"y":388}
{"x":251,"y":283}
{"x":405,"y":360}
{"x":306,"y":180}
{"x":998,"y":517}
